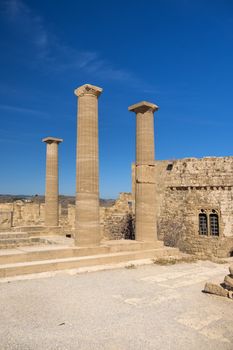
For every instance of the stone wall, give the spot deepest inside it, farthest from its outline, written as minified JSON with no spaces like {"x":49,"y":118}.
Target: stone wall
{"x":184,"y":187}
{"x":24,"y":213}
{"x":117,"y":220}
{"x":6,"y":218}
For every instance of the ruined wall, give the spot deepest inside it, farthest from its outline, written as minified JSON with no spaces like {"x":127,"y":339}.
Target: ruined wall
{"x":6,"y":219}
{"x":6,"y":216}
{"x":185,"y":187}
{"x":28,"y":214}
{"x":116,"y":221}
{"x":23,"y":213}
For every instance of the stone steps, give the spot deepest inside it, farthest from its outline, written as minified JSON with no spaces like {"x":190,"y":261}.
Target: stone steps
{"x":38,"y":266}
{"x":35,"y":231}
{"x":28,"y":228}
{"x":13,"y":235}
{"x":124,"y":244}
{"x":26,"y":254}
{"x":13,"y":242}
{"x":38,"y":230}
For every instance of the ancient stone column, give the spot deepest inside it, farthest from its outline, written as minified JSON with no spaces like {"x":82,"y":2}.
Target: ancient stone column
{"x":51,"y":191}
{"x":145,"y":192}
{"x":87,"y":225}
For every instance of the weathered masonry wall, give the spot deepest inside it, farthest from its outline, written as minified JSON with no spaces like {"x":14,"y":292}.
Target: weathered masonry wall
{"x":116,"y":221}
{"x":184,"y":188}
{"x":20,"y":213}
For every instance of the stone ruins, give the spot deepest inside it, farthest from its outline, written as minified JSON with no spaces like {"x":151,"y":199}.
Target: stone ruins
{"x":193,"y":203}
{"x":225,"y":289}
{"x":175,"y":206}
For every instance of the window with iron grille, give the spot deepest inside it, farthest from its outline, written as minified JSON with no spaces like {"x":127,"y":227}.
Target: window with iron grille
{"x":214,"y":224}
{"x":203,"y":225}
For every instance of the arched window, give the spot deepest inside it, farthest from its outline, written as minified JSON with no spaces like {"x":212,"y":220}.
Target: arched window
{"x":214,"y":224}
{"x":203,"y":225}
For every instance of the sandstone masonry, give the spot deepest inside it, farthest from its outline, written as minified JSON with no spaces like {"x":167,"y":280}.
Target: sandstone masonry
{"x":52,"y":191}
{"x":187,"y":188}
{"x":145,"y":196}
{"x":87,"y":167}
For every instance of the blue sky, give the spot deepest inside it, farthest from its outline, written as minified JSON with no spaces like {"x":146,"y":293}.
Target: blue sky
{"x":175,"y":53}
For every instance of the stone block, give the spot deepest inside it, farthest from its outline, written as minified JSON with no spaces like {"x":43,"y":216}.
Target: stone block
{"x":145,"y":174}
{"x":5,"y":220}
{"x":215,"y":289}
{"x":228,"y":280}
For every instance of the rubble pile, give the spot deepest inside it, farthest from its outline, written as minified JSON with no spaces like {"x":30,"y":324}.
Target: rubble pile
{"x":225,"y":289}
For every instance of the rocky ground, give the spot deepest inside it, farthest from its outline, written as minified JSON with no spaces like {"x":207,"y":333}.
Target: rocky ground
{"x":147,"y":307}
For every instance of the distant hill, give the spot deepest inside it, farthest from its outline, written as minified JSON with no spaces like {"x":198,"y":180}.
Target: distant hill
{"x":64,"y":200}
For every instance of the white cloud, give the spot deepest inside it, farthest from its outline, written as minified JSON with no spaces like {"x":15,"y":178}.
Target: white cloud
{"x":31,"y":26}
{"x":23,"y":110}
{"x":57,"y":56}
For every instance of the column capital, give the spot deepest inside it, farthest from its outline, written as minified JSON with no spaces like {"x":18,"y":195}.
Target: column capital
{"x":143,"y":107}
{"x":88,"y":89}
{"x":52,"y":140}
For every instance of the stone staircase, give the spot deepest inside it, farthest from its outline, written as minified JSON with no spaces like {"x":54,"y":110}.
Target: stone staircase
{"x":30,"y":260}
{"x":37,"y":230}
{"x":26,"y":235}
{"x":18,"y":239}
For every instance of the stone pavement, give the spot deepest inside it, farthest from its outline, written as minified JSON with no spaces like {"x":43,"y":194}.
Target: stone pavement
{"x":150,"y":307}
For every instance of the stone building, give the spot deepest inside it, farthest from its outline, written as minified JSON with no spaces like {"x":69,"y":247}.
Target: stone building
{"x":194,"y":204}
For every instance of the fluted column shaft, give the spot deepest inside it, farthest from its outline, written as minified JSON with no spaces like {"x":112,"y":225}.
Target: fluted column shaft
{"x":145,"y":192}
{"x":87,"y":225}
{"x":51,"y":191}
{"x":145,"y":151}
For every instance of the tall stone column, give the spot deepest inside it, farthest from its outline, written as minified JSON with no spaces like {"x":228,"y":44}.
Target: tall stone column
{"x":51,"y":192}
{"x":145,"y":196}
{"x":87,"y":225}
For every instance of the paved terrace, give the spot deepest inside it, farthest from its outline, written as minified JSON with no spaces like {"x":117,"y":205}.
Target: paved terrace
{"x":149,"y":307}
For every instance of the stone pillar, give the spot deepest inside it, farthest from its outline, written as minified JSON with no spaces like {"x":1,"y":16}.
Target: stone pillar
{"x":145,"y":201}
{"x":51,"y":192}
{"x":87,"y":224}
